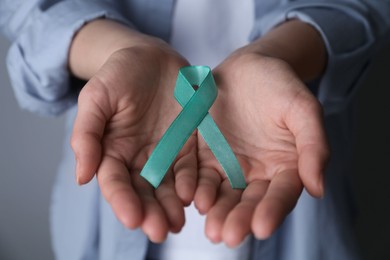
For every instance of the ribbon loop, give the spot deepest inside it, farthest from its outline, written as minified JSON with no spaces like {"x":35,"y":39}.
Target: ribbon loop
{"x":196,"y":104}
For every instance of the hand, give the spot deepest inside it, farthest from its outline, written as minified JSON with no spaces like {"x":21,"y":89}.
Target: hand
{"x":274,"y":126}
{"x":123,"y":111}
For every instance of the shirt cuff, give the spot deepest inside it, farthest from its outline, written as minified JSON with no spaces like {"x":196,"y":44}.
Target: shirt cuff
{"x":37,"y":60}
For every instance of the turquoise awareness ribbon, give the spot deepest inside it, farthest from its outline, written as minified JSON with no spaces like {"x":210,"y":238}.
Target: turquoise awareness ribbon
{"x":196,"y":104}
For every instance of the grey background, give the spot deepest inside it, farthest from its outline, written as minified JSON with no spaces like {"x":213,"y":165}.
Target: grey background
{"x":30,"y":148}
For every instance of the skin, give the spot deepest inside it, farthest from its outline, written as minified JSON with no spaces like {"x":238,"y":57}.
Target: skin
{"x":269,"y":117}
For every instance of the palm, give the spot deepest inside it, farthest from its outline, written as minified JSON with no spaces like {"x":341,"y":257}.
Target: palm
{"x":262,"y":109}
{"x":144,"y":107}
{"x":123,"y":112}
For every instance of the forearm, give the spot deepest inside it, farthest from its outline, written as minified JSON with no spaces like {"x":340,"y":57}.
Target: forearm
{"x":295,"y":42}
{"x":98,"y":40}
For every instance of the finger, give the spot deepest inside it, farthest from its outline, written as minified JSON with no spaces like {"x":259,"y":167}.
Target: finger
{"x":312,"y":164}
{"x":312,"y":146}
{"x":238,"y":222}
{"x":88,"y":131}
{"x":171,"y":204}
{"x":186,"y":175}
{"x":155,"y":224}
{"x":227,"y":199}
{"x":115,"y":184}
{"x":206,"y":192}
{"x":282,"y":195}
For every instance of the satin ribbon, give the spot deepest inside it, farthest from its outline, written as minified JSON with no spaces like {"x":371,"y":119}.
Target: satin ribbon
{"x":196,"y":104}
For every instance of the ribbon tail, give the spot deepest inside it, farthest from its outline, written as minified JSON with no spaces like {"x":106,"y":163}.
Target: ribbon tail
{"x":222,"y":152}
{"x":171,"y":143}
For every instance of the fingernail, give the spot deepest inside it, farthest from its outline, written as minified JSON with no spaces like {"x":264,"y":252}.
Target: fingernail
{"x":77,"y":173}
{"x":321,"y":187}
{"x":78,"y":180}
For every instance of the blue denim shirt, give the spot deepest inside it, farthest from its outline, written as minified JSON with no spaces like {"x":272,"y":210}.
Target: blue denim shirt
{"x":83,"y":225}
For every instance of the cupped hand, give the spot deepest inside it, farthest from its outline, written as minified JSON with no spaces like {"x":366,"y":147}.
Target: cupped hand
{"x":123,"y":111}
{"x":274,"y":126}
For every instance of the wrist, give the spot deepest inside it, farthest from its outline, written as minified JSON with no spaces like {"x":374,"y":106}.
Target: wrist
{"x":296,"y":43}
{"x":100,"y":39}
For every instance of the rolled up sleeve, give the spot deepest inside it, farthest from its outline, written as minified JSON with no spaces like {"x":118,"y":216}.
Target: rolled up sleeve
{"x":352,"y":32}
{"x":41,"y":33}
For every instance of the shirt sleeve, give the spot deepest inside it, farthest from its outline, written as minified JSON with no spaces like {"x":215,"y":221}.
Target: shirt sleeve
{"x":352,"y":31}
{"x":41,"y":33}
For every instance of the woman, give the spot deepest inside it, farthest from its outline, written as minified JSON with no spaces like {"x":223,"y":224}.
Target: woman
{"x":270,"y":60}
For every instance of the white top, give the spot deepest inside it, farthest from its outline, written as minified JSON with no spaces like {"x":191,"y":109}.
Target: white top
{"x":206,"y":32}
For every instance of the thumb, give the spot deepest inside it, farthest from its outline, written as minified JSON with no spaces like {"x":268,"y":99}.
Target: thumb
{"x":306,"y":120}
{"x":93,"y":112}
